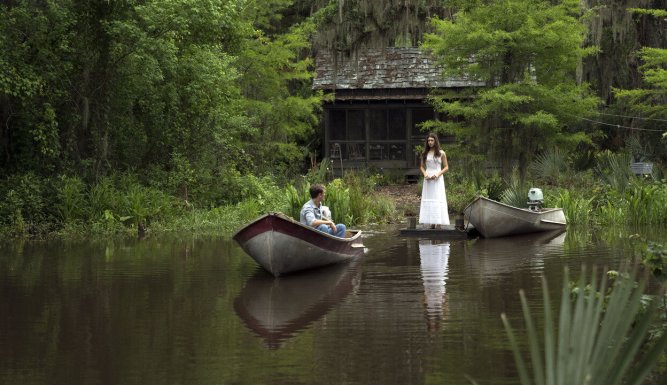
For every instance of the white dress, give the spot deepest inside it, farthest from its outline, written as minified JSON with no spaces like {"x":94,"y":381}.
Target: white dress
{"x":434,"y":258}
{"x":433,"y":209}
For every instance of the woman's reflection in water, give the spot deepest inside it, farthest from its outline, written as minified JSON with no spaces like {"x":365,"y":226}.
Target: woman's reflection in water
{"x":434,"y":255}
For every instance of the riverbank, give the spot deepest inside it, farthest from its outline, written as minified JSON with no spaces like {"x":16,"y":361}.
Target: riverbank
{"x":403,"y":195}
{"x":125,"y":205}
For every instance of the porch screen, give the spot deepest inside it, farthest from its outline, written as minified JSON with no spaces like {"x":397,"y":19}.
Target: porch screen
{"x":337,"y":119}
{"x":387,"y":124}
{"x":356,"y":125}
{"x":419,"y":116}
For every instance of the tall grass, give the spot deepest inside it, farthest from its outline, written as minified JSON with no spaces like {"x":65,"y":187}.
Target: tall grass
{"x":577,"y":210}
{"x":352,"y":200}
{"x":598,"y":339}
{"x":338,"y":200}
{"x":647,"y":204}
{"x":641,"y":203}
{"x":295,"y":198}
{"x":610,"y":214}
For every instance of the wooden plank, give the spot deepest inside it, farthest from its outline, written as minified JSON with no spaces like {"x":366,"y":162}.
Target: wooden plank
{"x":448,"y":232}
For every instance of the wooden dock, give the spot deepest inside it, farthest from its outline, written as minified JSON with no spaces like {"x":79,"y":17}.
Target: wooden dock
{"x":446,"y":232}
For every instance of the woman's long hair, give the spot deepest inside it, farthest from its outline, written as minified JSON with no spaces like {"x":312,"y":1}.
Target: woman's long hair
{"x":436,"y":148}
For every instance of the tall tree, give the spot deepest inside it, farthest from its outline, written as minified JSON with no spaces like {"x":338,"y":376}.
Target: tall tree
{"x":650,"y":101}
{"x":618,"y":33}
{"x":276,"y":70}
{"x":99,"y":85}
{"x":347,"y":26}
{"x":526,"y":52}
{"x":35,"y":65}
{"x":207,"y":87}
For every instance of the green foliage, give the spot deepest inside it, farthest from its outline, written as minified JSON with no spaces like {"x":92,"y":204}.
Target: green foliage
{"x":524,"y":53}
{"x":516,"y":193}
{"x":296,"y":198}
{"x":70,"y":193}
{"x":495,"y":187}
{"x":352,"y":199}
{"x":610,"y":214}
{"x":591,"y":344}
{"x":649,"y":100}
{"x":365,"y":204}
{"x":320,"y":173}
{"x":614,"y":169}
{"x":347,"y":26}
{"x":578,"y":210}
{"x":338,"y":200}
{"x":276,"y":82}
{"x":655,"y":259}
{"x":550,"y":165}
{"x":646,"y":203}
{"x":116,"y":113}
{"x":103,"y":199}
{"x":189,"y":90}
{"x":23,"y":199}
{"x":141,"y":203}
{"x":461,"y":191}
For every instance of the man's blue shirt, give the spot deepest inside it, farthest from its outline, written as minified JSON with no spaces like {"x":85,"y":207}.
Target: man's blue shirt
{"x":310,"y":212}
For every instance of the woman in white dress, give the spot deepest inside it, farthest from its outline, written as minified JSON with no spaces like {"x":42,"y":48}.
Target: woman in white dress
{"x":433,"y":210}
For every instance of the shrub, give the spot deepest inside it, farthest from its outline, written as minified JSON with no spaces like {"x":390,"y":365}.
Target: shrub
{"x":295,"y":199}
{"x":338,"y":200}
{"x":24,"y":199}
{"x":647,"y":203}
{"x":70,"y":201}
{"x":103,"y":198}
{"x":577,"y":210}
{"x":460,"y":194}
{"x":613,"y":169}
{"x":516,"y":193}
{"x":550,"y":165}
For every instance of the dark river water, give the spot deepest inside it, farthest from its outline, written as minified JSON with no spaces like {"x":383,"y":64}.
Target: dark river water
{"x":199,"y":311}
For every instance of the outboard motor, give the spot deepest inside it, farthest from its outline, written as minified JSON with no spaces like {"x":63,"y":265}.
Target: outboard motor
{"x":535,"y":199}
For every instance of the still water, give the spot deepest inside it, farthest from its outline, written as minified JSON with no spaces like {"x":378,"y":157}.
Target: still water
{"x":199,"y":311}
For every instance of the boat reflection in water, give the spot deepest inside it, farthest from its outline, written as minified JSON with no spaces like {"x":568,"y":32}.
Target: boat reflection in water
{"x":434,"y":255}
{"x":276,"y":309}
{"x":495,"y":258}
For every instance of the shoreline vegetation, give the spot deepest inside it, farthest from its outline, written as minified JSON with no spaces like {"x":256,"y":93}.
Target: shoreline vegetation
{"x":134,"y":118}
{"x":124,"y":205}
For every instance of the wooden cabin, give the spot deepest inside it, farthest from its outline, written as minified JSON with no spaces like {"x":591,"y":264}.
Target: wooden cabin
{"x":377,"y":106}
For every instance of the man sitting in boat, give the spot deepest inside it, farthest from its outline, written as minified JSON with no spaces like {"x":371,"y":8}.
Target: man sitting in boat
{"x":311,"y":213}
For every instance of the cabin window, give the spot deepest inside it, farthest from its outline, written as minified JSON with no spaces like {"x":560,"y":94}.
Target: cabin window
{"x":378,"y":125}
{"x":419,"y":116}
{"x":356,"y":125}
{"x":396,"y":128}
{"x":387,"y":124}
{"x":337,"y":120}
{"x":387,"y":134}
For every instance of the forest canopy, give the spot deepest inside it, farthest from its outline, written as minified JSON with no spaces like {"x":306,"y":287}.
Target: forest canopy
{"x":193,"y":94}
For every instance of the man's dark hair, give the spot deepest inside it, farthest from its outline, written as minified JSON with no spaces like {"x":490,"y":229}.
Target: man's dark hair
{"x":315,"y":190}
